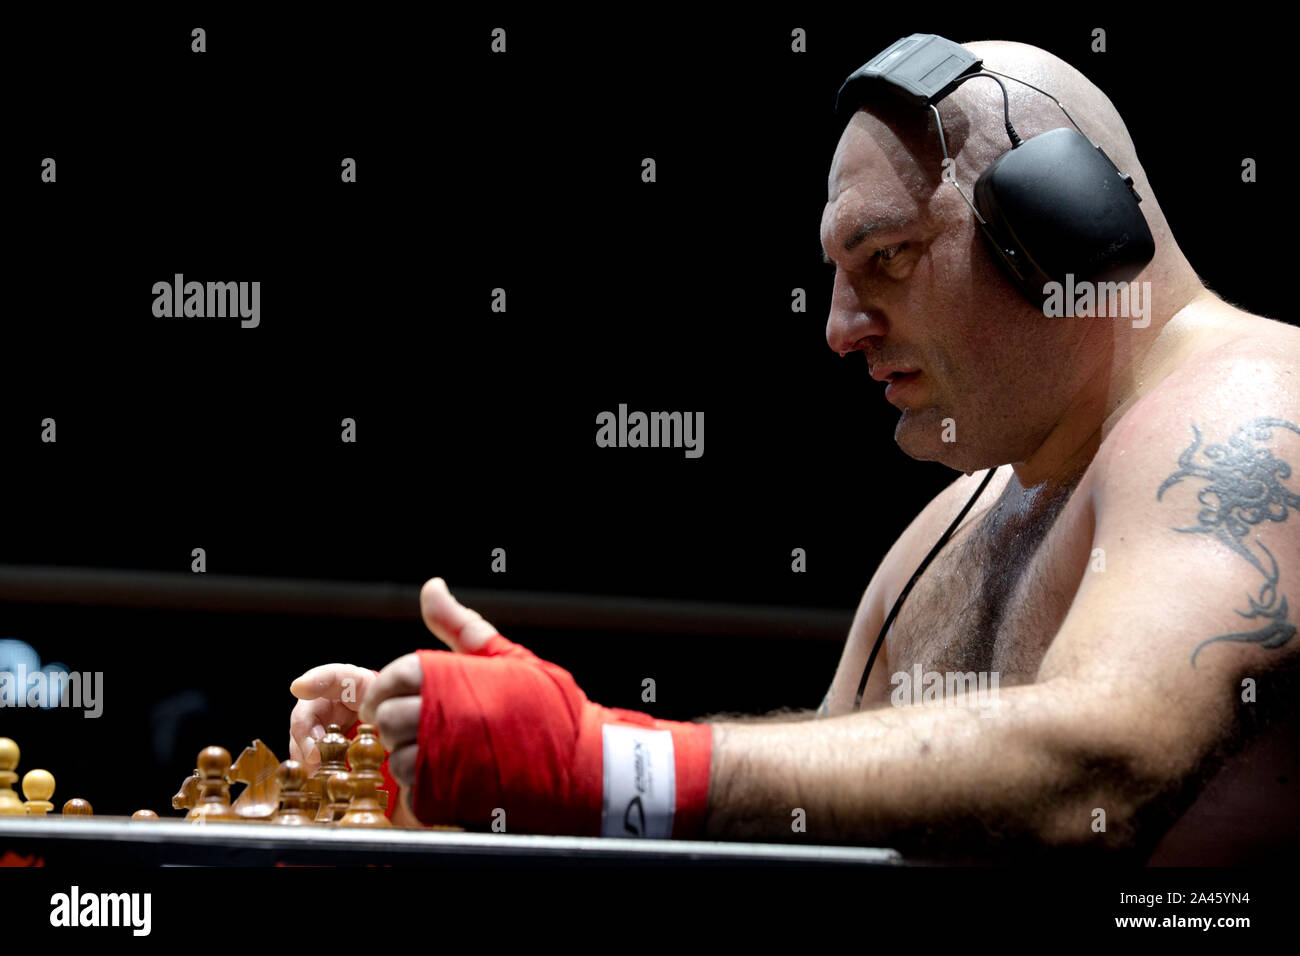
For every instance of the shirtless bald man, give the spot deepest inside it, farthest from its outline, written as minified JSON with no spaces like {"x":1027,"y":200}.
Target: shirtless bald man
{"x":1124,"y":574}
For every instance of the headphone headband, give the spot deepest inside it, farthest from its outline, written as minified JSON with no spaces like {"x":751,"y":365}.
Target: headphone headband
{"x":920,"y":69}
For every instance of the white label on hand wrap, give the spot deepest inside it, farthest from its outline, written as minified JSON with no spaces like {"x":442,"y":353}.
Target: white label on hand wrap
{"x":640,"y":783}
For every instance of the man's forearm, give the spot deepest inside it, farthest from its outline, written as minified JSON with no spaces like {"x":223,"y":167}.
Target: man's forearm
{"x":927,"y":778}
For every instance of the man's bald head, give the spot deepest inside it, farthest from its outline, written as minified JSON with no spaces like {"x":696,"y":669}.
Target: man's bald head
{"x":979,"y":103}
{"x":916,"y":286}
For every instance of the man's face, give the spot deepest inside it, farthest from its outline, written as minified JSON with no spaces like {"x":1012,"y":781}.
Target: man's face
{"x":919,"y":294}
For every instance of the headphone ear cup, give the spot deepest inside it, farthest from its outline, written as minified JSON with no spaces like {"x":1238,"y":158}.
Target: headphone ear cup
{"x":1057,"y":206}
{"x":1025,"y":274}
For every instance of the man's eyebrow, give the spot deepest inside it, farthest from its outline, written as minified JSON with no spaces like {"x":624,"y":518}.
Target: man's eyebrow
{"x":866,"y":230}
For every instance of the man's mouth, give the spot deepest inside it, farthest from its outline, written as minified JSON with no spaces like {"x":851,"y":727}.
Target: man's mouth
{"x":882,"y":372}
{"x":899,"y":382}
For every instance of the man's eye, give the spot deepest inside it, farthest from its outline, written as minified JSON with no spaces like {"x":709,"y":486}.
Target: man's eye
{"x":887,"y":253}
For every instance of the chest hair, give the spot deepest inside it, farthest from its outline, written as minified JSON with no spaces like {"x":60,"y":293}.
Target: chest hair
{"x":984,"y":604}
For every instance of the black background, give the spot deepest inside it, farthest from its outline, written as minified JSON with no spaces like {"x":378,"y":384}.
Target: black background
{"x":476,"y":429}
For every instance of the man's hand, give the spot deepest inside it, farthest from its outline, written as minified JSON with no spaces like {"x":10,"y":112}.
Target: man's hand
{"x":328,"y":694}
{"x":392,"y":702}
{"x":492,"y":729}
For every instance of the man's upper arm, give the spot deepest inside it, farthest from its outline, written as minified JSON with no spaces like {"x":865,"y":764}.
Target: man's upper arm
{"x":1195,"y":552}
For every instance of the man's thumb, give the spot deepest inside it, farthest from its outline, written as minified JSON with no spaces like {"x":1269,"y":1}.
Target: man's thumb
{"x":461,"y":629}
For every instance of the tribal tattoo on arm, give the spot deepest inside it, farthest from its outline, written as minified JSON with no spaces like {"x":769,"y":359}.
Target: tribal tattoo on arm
{"x":1244,"y":488}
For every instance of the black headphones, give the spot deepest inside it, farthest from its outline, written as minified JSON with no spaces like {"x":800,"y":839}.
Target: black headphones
{"x":1050,"y":207}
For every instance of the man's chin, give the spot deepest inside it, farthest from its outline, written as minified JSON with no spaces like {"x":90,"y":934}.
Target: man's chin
{"x":930,"y":436}
{"x":919,"y":434}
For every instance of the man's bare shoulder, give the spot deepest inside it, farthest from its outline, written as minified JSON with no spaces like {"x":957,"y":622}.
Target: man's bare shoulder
{"x":1233,"y":373}
{"x":1238,"y":344}
{"x":1193,"y":496}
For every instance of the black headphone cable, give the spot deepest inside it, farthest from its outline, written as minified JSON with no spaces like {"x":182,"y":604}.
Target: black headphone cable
{"x":893,"y":612}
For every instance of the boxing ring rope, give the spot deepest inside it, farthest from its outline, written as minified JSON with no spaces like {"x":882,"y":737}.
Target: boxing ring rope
{"x":102,"y":587}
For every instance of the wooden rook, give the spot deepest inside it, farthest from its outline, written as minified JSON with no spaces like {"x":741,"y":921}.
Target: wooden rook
{"x":292,"y":777}
{"x":256,"y":767}
{"x":10,"y":805}
{"x":365,"y":755}
{"x":213,"y":805}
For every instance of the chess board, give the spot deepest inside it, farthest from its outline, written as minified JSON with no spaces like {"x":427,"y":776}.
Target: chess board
{"x":276,"y":821}
{"x":76,"y":841}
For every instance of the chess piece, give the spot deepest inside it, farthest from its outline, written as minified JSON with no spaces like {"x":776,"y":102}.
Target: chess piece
{"x":256,"y":767}
{"x":292,"y":777}
{"x":188,"y":794}
{"x":332,"y":747}
{"x":144,"y":815}
{"x":338,"y":788}
{"x":38,"y":787}
{"x":10,"y":805}
{"x":213,"y":805}
{"x":365,"y":755}
{"x":76,"y":807}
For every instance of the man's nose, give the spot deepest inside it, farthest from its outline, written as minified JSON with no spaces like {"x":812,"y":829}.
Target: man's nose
{"x":849,"y":324}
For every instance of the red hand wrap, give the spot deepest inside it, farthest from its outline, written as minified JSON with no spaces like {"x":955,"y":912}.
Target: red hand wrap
{"x":503,"y":728}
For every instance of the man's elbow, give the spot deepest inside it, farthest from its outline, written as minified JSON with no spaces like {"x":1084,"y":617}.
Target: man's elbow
{"x":1117,"y":793}
{"x":1111,"y":819}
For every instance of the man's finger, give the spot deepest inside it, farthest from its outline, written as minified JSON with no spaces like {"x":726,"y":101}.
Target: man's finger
{"x":460,"y":628}
{"x":311,"y":753}
{"x":402,"y":678}
{"x":305,"y":753}
{"x":336,"y":682}
{"x":308,"y":715}
{"x":308,"y":722}
{"x":401,"y":766}
{"x":397,"y":721}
